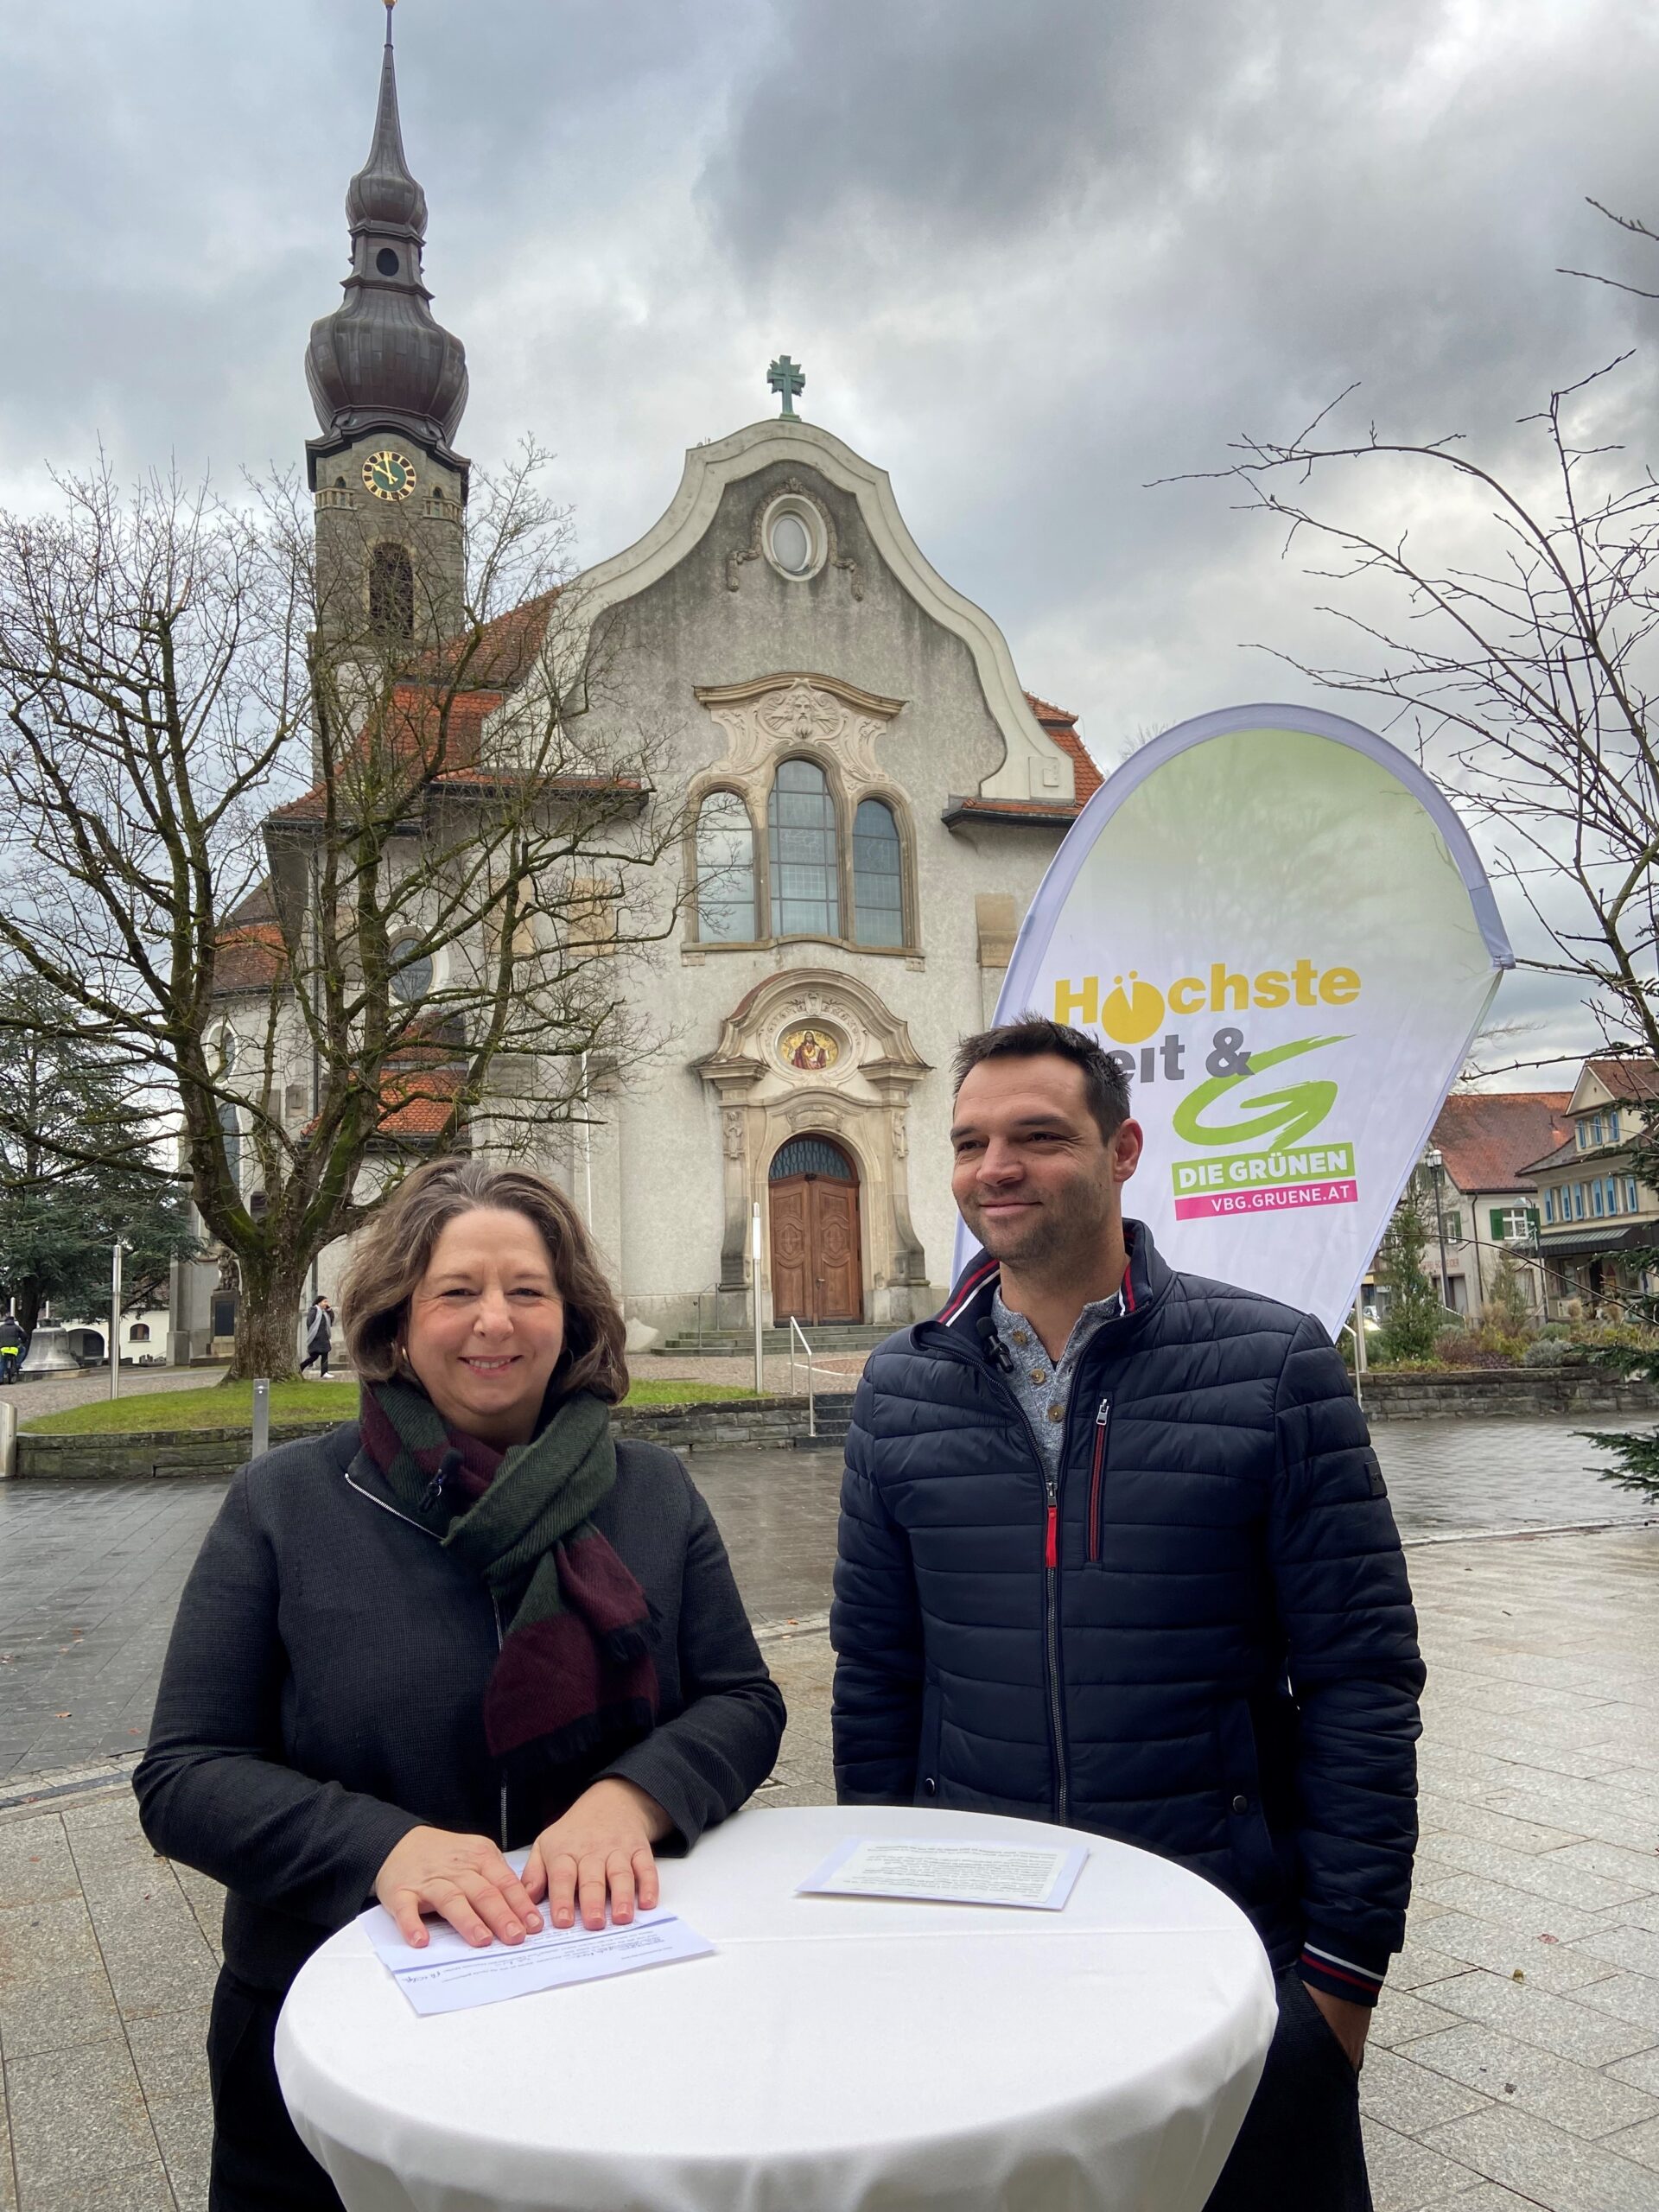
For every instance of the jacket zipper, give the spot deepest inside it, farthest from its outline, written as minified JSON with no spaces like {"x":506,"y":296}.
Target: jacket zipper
{"x":495,"y":1609}
{"x":1097,"y":1478}
{"x":1051,"y":1580}
{"x":1051,"y":1636}
{"x":1051,"y":1552}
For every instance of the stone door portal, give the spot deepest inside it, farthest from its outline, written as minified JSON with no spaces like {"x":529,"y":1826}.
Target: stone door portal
{"x":816,"y":1268}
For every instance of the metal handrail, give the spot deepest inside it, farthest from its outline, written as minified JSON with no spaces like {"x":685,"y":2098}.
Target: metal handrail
{"x":796,"y":1330}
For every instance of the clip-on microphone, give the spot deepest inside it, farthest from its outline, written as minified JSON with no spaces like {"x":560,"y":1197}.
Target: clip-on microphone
{"x":996,"y":1351}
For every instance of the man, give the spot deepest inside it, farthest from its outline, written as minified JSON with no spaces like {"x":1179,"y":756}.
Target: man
{"x":1115,"y":1552}
{"x":12,"y":1342}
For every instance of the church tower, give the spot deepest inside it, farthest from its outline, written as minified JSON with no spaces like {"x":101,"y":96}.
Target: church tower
{"x":390,"y":385}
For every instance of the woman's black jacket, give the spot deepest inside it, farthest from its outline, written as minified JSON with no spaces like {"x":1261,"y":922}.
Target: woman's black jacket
{"x":323,"y":1689}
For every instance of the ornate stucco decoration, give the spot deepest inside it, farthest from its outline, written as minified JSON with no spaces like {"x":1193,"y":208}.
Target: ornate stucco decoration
{"x":793,"y":488}
{"x":1032,"y":764}
{"x":772,"y":1086}
{"x":761,"y":719}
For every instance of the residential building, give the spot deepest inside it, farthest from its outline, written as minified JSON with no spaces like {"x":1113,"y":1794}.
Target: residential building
{"x":1596,"y":1217}
{"x":1485,"y":1201}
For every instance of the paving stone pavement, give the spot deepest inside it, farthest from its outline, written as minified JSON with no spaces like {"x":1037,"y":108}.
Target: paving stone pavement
{"x":1515,"y":2060}
{"x":1515,"y":2055}
{"x":90,"y":1573}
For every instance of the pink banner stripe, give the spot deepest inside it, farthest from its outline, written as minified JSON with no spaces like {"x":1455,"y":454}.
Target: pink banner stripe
{"x":1273,"y":1198}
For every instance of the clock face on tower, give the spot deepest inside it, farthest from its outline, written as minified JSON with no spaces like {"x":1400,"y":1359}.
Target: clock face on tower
{"x":389,"y":475}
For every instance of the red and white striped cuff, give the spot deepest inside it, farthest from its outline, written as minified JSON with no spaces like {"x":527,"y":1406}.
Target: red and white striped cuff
{"x":1339,"y":1973}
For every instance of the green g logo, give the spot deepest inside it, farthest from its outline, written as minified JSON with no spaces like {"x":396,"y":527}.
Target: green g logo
{"x":1281,"y":1116}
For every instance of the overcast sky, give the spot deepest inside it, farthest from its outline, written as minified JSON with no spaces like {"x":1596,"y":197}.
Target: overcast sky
{"x":1033,"y":254}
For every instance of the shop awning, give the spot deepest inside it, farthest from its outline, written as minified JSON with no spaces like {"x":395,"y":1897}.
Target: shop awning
{"x":1588,"y":1242}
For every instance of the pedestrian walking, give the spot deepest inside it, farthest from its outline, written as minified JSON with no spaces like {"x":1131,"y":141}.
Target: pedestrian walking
{"x":13,"y":1343}
{"x":1116,"y":1552}
{"x":318,"y":1337}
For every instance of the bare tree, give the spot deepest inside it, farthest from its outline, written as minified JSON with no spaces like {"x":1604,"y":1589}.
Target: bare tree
{"x":1526,"y":671}
{"x":332,"y":897}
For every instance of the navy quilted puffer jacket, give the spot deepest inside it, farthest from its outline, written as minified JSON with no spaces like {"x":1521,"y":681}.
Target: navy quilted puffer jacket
{"x":1199,"y":1640}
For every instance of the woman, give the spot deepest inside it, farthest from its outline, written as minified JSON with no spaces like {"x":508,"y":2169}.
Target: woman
{"x":464,"y":1623}
{"x":319,"y":1336}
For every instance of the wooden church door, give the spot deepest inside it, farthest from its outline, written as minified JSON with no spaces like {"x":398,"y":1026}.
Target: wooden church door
{"x":817,"y":1269}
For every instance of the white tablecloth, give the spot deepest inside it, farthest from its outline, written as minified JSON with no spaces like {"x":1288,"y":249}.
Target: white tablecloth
{"x":835,"y":2054}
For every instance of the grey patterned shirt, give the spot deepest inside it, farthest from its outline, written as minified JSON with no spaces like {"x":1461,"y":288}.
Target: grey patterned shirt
{"x":1043,"y":1385}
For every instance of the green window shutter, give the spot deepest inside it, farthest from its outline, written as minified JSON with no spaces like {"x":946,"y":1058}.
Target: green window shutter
{"x":1498,"y":1225}
{"x":1532,"y":1220}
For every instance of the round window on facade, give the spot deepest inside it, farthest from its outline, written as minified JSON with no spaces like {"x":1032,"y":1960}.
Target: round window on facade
{"x":411,"y":979}
{"x":386,"y":262}
{"x":793,"y":535}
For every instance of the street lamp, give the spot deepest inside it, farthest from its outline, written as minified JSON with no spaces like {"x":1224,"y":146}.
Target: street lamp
{"x":1436,"y":1166}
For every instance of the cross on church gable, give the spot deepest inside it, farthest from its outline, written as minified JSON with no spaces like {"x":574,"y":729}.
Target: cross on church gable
{"x":787,"y":377}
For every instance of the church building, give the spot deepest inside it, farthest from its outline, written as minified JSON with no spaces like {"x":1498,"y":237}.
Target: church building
{"x":875,"y":798}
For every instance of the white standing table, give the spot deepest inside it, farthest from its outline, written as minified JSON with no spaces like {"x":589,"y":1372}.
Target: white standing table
{"x":835,"y":2054}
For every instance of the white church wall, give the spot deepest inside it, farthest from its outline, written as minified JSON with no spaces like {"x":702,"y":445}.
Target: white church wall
{"x":724,"y":618}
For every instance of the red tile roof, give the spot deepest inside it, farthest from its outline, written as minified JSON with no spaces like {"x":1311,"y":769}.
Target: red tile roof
{"x":250,"y":955}
{"x":1489,"y":1138}
{"x":496,"y":658}
{"x":417,"y":1103}
{"x":1626,"y":1074}
{"x":1059,"y":812}
{"x":425,"y":729}
{"x":1062,"y":726}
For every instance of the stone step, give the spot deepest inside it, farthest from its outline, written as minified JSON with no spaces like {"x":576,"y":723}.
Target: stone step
{"x":732,"y":1344}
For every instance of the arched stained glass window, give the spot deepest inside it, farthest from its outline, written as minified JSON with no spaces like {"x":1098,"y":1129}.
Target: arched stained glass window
{"x":811,"y":1156}
{"x":878,"y":876}
{"x":725,"y":871}
{"x":391,"y":592}
{"x":801,"y":839}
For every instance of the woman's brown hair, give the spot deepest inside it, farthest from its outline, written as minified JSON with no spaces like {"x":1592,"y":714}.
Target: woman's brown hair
{"x":393,"y":1258}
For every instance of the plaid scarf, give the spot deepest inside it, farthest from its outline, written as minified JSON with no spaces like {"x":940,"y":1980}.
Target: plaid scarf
{"x":575,"y":1681}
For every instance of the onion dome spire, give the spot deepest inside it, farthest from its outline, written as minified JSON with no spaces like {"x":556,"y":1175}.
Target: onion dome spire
{"x":383,"y":192}
{"x":381,"y":358}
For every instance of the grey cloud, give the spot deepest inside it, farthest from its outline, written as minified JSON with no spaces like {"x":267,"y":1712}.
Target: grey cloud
{"x":1033,"y":255}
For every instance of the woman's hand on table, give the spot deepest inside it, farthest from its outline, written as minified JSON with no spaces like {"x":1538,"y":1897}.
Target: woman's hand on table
{"x":464,"y":1879}
{"x":600,"y":1848}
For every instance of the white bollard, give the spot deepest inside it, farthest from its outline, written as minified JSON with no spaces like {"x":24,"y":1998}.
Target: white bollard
{"x":8,"y":1442}
{"x":261,"y":1418}
{"x":755,"y":1277}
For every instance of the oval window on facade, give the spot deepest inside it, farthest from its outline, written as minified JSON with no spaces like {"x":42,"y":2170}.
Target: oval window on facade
{"x":725,"y":871}
{"x":793,"y":538}
{"x":791,"y":548}
{"x":412,"y":977}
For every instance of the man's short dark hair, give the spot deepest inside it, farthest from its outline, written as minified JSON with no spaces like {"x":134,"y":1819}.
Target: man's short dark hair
{"x":1105,"y":1086}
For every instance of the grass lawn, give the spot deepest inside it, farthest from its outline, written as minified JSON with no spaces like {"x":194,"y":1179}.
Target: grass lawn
{"x":229,"y":1405}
